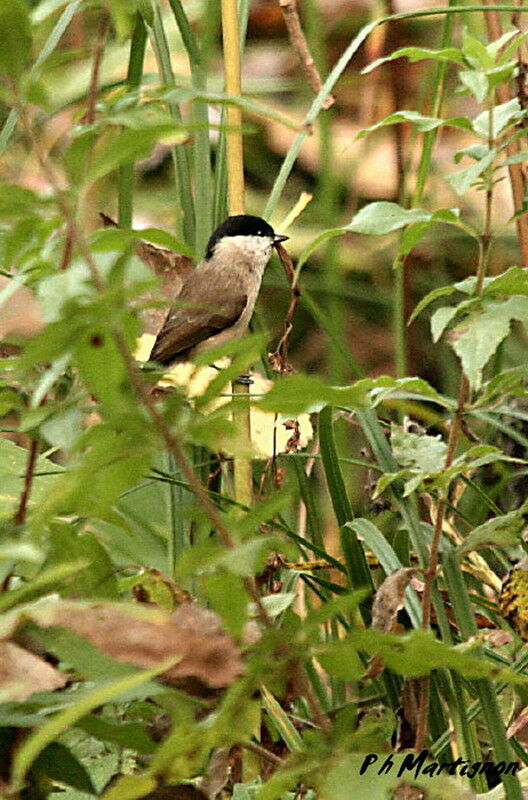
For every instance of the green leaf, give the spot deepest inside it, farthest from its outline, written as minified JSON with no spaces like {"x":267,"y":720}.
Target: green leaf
{"x":68,"y":544}
{"x":13,"y":464}
{"x":111,"y":463}
{"x":15,"y":35}
{"x":13,"y":550}
{"x":282,"y":722}
{"x":116,"y":238}
{"x":332,"y":468}
{"x":297,"y":393}
{"x":129,"y":145}
{"x":341,"y":660}
{"x":419,"y":121}
{"x":123,"y":17}
{"x":512,"y":281}
{"x":464,"y":178}
{"x":248,"y":558}
{"x":417,"y":653}
{"x":384,"y":552}
{"x":384,"y":217}
{"x":125,"y":734}
{"x":504,"y":531}
{"x":476,"y":82}
{"x":502,"y":117}
{"x":440,"y":320}
{"x":419,"y":54}
{"x":477,"y":336}
{"x":429,"y":298}
{"x":228,"y":596}
{"x":58,"y":763}
{"x":47,"y":580}
{"x":419,"y":451}
{"x":476,"y":52}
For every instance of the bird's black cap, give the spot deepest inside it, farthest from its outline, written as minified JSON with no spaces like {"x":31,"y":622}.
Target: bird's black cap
{"x":240,"y":225}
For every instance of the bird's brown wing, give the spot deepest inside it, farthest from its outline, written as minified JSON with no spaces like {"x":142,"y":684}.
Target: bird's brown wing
{"x":191,"y":323}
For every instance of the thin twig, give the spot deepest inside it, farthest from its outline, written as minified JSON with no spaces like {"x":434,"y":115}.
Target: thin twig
{"x":464,"y":397}
{"x":300,"y":45}
{"x":253,"y":747}
{"x":89,"y":116}
{"x":279,"y":358}
{"x":20,"y":516}
{"x":518,"y":179}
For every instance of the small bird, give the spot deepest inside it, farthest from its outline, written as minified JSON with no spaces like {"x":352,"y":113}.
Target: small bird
{"x":217,"y":298}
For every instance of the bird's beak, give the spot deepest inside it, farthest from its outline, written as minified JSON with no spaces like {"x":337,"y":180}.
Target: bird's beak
{"x":278,"y":238}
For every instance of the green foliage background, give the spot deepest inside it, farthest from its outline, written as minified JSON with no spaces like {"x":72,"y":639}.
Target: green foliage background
{"x":105,"y":491}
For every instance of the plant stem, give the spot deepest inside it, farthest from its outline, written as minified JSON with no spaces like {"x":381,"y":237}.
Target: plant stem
{"x":125,"y":184}
{"x":242,"y":467}
{"x":20,"y":516}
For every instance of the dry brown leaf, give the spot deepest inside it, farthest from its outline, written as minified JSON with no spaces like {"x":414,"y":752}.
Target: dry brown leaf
{"x":519,"y":726}
{"x":390,"y":598}
{"x":145,"y":637}
{"x":388,"y":601}
{"x":20,"y":314}
{"x":22,"y":673}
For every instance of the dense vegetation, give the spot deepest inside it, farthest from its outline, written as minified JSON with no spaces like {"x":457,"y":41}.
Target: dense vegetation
{"x":188,"y":612}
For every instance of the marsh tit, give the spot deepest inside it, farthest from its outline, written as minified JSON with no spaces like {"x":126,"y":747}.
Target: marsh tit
{"x":217,"y":298}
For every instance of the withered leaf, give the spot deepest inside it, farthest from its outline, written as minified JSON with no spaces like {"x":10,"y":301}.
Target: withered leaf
{"x":22,"y":673}
{"x":146,"y":636}
{"x":390,"y":597}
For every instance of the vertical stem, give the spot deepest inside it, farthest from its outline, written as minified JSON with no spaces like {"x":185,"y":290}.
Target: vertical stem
{"x":201,"y":146}
{"x":125,"y":184}
{"x":517,"y":173}
{"x":182,"y":178}
{"x":20,"y":516}
{"x":233,"y":86}
{"x":243,"y":473}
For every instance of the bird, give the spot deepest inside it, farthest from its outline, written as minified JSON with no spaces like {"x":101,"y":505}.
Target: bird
{"x":217,"y":298}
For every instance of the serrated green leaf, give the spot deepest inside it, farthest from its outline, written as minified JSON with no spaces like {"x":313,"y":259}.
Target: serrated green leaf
{"x":418,"y":451}
{"x":476,"y":52}
{"x":464,"y":178}
{"x":504,"y":531}
{"x":383,"y":217}
{"x":417,"y":653}
{"x":440,"y":320}
{"x":419,"y":121}
{"x":512,"y":281}
{"x":500,"y":118}
{"x":478,"y":335}
{"x":429,"y":298}
{"x":476,"y":82}
{"x":297,"y":393}
{"x":419,"y":54}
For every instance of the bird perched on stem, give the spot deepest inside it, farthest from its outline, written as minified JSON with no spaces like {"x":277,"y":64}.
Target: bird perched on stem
{"x":217,"y":298}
